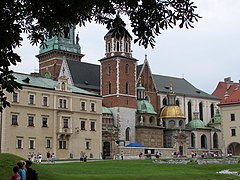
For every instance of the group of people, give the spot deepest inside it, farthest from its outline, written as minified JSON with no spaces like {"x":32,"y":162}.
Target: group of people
{"x":83,"y":157}
{"x":23,"y":171}
{"x":35,"y":158}
{"x":51,"y":157}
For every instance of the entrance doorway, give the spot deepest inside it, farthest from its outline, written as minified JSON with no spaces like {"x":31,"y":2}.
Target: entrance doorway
{"x":234,"y":149}
{"x":106,"y":150}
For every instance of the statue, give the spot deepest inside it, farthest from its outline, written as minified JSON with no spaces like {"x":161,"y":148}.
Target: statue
{"x":77,"y":39}
{"x":141,"y":120}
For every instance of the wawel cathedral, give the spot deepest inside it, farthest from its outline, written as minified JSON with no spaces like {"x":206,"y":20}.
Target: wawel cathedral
{"x":72,"y":106}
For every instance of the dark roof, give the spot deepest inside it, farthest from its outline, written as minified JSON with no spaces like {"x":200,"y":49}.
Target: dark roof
{"x":85,"y":75}
{"x":180,"y":86}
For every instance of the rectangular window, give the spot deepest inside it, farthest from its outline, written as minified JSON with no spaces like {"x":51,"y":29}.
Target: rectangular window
{"x":87,"y":145}
{"x":62,"y":103}
{"x":44,"y":122}
{"x":31,"y":99}
{"x":93,"y":126}
{"x":48,"y":143}
{"x":83,"y":105}
{"x":65,"y":122}
{"x":232,"y":117}
{"x":14,"y":119}
{"x":19,"y":144}
{"x":233,"y":132}
{"x":45,"y":101}
{"x":93,"y":108}
{"x":30,"y":121}
{"x":31,"y":144}
{"x":62,"y":145}
{"x":15,"y":97}
{"x":83,"y":125}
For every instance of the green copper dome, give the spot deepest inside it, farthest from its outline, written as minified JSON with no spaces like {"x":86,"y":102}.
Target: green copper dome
{"x":144,"y":106}
{"x":105,"y":110}
{"x":196,"y":123}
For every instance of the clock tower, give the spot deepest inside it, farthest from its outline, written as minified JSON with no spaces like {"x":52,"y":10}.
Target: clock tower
{"x":118,"y":79}
{"x":51,"y":56}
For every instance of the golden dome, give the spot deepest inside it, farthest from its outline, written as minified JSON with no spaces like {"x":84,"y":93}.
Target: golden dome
{"x":171,"y":112}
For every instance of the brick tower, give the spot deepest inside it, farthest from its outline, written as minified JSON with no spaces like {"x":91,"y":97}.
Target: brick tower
{"x":118,"y":80}
{"x":58,"y":47}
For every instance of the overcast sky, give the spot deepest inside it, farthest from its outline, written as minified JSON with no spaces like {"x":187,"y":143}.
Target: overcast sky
{"x":203,"y":55}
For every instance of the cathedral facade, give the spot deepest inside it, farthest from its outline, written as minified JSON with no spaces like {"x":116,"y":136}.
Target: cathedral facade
{"x":140,"y":107}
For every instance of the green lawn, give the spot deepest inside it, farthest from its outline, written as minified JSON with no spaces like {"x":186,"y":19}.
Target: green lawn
{"x":114,"y":170}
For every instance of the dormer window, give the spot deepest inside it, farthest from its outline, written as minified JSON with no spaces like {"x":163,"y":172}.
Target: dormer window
{"x":63,"y":86}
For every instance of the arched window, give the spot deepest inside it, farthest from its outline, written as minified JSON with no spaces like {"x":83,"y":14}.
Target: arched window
{"x":204,"y":141}
{"x":63,"y":86}
{"x":127,"y":88}
{"x":127,"y":134}
{"x":151,"y":120}
{"x":215,"y":140}
{"x":212,"y":110}
{"x":193,"y":139}
{"x":177,"y":102}
{"x":127,"y":69}
{"x":109,"y":69}
{"x":189,"y":111}
{"x":118,"y":46}
{"x":164,"y":101}
{"x":109,"y":88}
{"x":201,"y":111}
{"x":180,"y":123}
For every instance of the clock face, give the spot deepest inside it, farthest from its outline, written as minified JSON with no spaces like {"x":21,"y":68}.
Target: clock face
{"x":47,"y":74}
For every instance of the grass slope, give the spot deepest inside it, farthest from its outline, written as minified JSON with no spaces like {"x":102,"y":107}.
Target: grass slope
{"x":127,"y":169}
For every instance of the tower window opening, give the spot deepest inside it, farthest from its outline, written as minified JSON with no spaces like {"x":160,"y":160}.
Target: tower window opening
{"x":127,"y":88}
{"x":127,"y":69}
{"x":109,"y":88}
{"x":127,"y":50}
{"x":108,"y":47}
{"x":118,"y":46}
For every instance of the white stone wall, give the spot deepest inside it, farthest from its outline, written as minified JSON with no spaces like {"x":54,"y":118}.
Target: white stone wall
{"x":126,"y":118}
{"x":183,"y":103}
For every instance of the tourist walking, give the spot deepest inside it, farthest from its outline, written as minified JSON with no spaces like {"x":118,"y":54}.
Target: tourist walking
{"x":39,"y":158}
{"x":53,"y":158}
{"x":122,"y":155}
{"x":48,"y":157}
